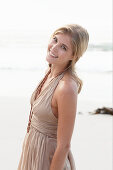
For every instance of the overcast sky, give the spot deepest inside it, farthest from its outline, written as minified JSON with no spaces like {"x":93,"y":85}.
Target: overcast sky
{"x":47,"y":15}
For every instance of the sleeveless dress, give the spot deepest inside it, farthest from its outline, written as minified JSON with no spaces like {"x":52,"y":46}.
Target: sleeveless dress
{"x":40,"y":143}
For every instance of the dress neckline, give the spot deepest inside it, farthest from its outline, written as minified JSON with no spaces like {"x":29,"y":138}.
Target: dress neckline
{"x":51,"y":80}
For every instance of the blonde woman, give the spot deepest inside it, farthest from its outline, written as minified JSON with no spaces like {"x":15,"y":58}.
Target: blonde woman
{"x":47,"y":143}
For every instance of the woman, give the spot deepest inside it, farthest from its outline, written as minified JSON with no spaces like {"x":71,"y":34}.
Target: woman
{"x":53,"y":104}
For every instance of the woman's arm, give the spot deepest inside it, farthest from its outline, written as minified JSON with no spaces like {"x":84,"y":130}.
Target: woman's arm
{"x":67,"y":105}
{"x":59,"y":158}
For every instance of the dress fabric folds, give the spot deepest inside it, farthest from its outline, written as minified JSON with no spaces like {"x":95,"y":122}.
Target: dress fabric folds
{"x":40,"y":142}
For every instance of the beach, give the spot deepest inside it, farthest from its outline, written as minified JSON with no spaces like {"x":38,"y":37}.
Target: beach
{"x":91,"y":142}
{"x":25,"y":31}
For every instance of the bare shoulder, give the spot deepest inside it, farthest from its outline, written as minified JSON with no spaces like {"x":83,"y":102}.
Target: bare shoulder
{"x":67,"y":86}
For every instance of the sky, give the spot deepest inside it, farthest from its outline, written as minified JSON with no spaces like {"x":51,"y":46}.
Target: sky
{"x":44,"y":16}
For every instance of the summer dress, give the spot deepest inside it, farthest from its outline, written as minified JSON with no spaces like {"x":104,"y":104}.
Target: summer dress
{"x":41,"y":140}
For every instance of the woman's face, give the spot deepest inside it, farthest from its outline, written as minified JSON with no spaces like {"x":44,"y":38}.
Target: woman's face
{"x":59,"y":49}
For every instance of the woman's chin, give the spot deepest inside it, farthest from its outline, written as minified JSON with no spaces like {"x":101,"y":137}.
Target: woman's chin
{"x":49,"y":60}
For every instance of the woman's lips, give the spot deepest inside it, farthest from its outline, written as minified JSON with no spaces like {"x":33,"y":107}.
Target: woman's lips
{"x":52,"y":55}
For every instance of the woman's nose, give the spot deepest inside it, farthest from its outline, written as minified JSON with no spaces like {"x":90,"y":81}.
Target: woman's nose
{"x":54,"y":47}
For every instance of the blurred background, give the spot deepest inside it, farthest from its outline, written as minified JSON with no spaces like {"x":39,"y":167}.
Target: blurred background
{"x":25,"y":29}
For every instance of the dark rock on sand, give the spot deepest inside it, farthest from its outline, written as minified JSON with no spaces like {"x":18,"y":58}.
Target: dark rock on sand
{"x":103,"y":110}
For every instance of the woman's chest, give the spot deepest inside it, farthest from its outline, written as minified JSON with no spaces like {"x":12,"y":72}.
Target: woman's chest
{"x":53,"y":101}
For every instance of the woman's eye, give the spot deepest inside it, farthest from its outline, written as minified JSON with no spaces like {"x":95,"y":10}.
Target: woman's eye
{"x":55,"y":39}
{"x":64,"y":47}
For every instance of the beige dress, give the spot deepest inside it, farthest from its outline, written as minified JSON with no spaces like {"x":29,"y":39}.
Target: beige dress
{"x":40,"y":142}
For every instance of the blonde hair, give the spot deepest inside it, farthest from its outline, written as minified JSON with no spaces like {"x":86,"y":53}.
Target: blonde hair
{"x":80,"y":39}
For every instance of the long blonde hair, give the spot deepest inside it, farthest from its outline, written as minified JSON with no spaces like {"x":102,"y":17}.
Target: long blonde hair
{"x":80,"y":39}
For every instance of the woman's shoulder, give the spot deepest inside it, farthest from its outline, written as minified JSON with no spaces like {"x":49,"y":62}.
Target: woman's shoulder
{"x":66,"y":89}
{"x":67,"y":84}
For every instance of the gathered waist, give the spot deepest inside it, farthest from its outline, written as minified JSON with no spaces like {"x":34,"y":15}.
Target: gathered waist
{"x":45,"y":128}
